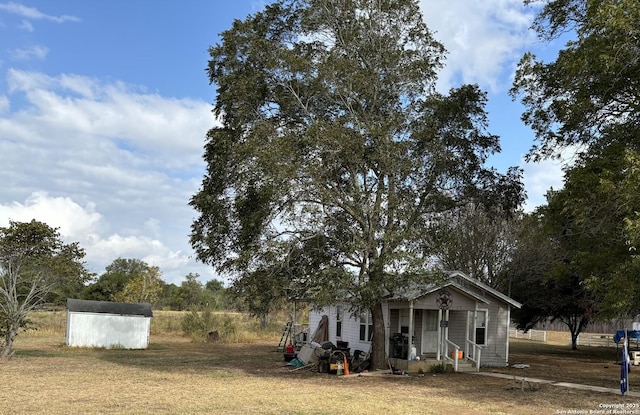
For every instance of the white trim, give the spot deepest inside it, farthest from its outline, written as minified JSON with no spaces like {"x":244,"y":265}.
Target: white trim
{"x":466,"y":335}
{"x":411,"y":329}
{"x":486,"y":288}
{"x":439,"y":352}
{"x":486,"y":326}
{"x":506,"y":355}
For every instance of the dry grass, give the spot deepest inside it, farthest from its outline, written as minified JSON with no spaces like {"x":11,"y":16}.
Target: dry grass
{"x":177,"y":376}
{"x":595,"y":366}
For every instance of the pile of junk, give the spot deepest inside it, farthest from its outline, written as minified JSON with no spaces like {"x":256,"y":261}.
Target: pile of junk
{"x":325,"y":356}
{"x":328,"y":358}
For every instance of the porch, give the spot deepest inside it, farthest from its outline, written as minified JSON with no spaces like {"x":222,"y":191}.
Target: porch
{"x":454,"y":338}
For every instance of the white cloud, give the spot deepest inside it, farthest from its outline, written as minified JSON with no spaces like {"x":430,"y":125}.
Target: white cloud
{"x":59,"y":212}
{"x":538,"y":179}
{"x":83,"y":224}
{"x":483,"y":39}
{"x":4,"y":104}
{"x":118,"y":166}
{"x":172,"y":129}
{"x":545,"y":175}
{"x":26,"y":25}
{"x":33,"y":13}
{"x":34,"y":52}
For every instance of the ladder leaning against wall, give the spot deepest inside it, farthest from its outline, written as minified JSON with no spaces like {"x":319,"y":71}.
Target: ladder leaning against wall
{"x":286,"y":335}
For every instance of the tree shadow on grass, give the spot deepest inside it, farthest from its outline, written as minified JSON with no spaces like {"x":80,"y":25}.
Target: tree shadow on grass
{"x":172,"y":356}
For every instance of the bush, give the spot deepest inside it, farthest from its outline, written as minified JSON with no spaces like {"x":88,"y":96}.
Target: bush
{"x":198,"y":325}
{"x":437,"y":368}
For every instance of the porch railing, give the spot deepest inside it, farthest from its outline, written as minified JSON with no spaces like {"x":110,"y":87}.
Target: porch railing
{"x":455,"y":354}
{"x":476,"y":354}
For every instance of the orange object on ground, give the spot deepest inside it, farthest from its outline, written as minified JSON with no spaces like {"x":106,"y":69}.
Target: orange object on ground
{"x":346,"y":365}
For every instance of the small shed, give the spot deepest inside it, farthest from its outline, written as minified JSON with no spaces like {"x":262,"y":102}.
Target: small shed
{"x":108,"y":324}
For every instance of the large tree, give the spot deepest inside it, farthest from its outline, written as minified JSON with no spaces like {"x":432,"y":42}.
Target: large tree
{"x":585,"y":268}
{"x":589,"y":98}
{"x":335,"y":154}
{"x":120,"y":274}
{"x":593,"y":85}
{"x":479,"y":242}
{"x":145,"y":287}
{"x":549,"y":274}
{"x":33,"y":262}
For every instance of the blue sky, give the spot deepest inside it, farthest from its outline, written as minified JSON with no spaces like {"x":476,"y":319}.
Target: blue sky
{"x":104,"y":107}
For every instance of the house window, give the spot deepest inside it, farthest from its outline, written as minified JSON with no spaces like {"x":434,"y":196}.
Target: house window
{"x":481,"y":327}
{"x":404,"y":321}
{"x":338,"y":321}
{"x":366,"y":327}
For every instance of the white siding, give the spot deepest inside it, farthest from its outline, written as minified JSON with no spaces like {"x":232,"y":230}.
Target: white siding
{"x":495,"y":351}
{"x":461,"y":322}
{"x":107,"y":330}
{"x":350,"y":327}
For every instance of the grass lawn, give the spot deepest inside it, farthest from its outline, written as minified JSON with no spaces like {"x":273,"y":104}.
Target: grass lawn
{"x":177,"y":376}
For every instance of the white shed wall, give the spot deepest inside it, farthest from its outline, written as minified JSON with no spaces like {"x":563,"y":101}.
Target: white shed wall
{"x":107,"y":330}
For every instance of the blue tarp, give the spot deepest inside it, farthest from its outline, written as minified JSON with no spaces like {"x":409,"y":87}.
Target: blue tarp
{"x":632,"y":334}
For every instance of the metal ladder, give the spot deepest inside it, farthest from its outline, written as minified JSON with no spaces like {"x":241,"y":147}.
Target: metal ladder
{"x":286,"y":334}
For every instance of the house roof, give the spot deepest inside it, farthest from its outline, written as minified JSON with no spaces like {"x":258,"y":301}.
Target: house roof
{"x":107,"y":307}
{"x":460,"y":281}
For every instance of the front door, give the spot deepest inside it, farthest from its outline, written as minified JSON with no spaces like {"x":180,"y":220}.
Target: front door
{"x":429,"y":331}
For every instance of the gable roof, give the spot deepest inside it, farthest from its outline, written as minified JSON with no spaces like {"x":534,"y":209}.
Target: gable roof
{"x":108,"y":307}
{"x":460,"y":281}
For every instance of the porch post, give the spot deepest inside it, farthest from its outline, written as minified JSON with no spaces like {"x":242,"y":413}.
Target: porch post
{"x":439,"y":334}
{"x":507,"y":336}
{"x":466,"y":335}
{"x":446,"y":329}
{"x":410,"y":330}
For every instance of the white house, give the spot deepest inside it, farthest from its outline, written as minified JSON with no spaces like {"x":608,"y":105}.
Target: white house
{"x":461,"y":319}
{"x":108,"y":324}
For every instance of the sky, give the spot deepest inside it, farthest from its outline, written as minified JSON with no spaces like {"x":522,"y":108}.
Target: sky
{"x":104,"y":107}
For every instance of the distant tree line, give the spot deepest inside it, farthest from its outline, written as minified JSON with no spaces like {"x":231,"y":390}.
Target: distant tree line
{"x":133,"y":280}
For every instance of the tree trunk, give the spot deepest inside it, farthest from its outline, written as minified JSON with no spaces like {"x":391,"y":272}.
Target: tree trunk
{"x":378,"y":355}
{"x":574,"y":340}
{"x":7,"y":350}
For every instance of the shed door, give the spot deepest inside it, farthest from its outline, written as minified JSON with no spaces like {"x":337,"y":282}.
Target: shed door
{"x":429,"y":331}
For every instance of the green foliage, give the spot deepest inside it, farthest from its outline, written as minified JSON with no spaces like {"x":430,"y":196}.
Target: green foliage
{"x":198,"y":325}
{"x":33,"y":263}
{"x":143,"y":288}
{"x":586,"y":98}
{"x":437,"y":368}
{"x":584,"y":268}
{"x":592,"y":86}
{"x":478,"y":241}
{"x":120,"y":273}
{"x":335,"y":154}
{"x":191,"y":293}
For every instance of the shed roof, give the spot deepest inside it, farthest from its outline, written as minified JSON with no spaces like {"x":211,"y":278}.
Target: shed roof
{"x":108,"y":307}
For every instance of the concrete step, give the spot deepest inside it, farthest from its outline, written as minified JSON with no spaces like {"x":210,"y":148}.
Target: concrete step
{"x":414,"y":366}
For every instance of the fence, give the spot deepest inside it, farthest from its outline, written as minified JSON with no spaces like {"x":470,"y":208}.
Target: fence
{"x":587,"y":339}
{"x":603,"y":327}
{"x":536,"y":335}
